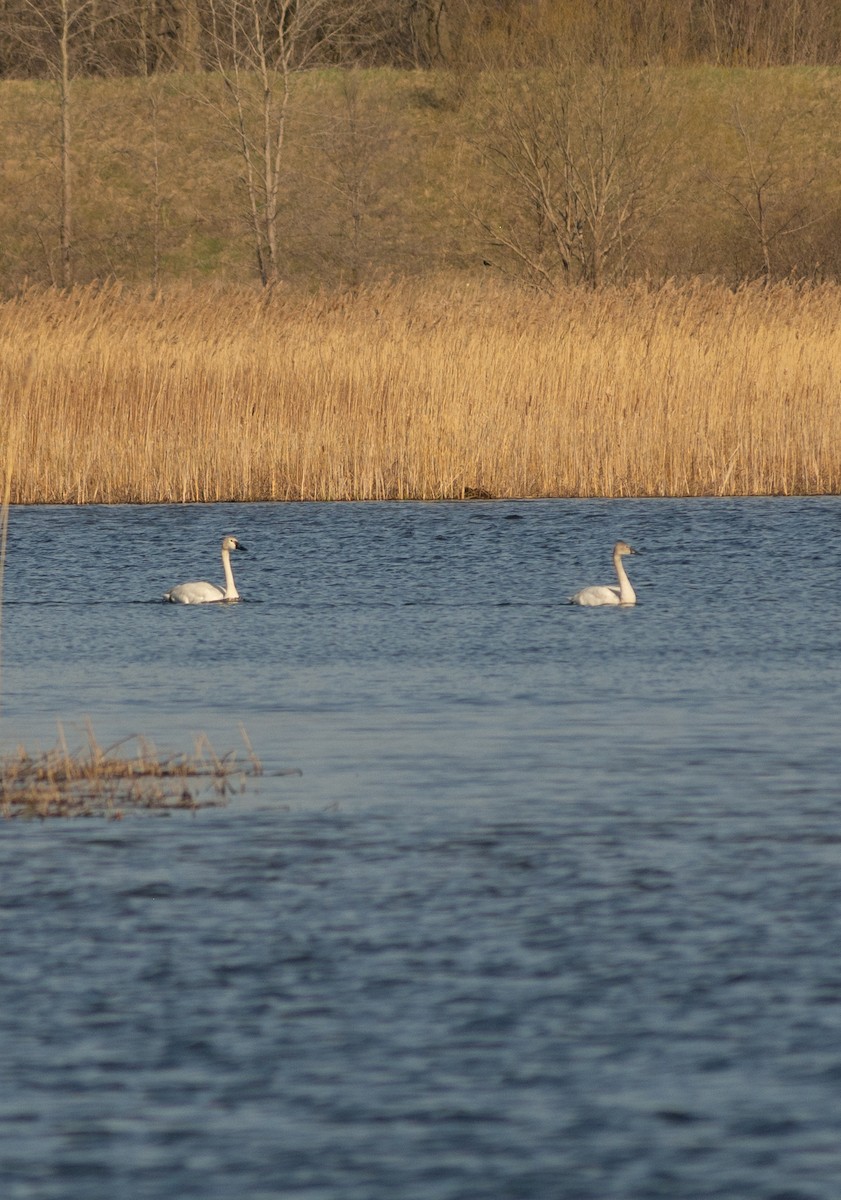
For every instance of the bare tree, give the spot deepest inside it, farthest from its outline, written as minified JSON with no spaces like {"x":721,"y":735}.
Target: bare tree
{"x":168,"y":35}
{"x":429,"y":27}
{"x":259,"y":46}
{"x":153,"y":172}
{"x":53,"y":34}
{"x":772,"y":201}
{"x":581,"y":153}
{"x":354,"y":146}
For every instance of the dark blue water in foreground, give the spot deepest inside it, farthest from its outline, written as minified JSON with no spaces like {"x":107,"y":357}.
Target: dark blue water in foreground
{"x":553,"y":909}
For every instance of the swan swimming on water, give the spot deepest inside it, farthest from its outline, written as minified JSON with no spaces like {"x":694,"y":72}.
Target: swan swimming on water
{"x":610,"y":593}
{"x":208,"y":593}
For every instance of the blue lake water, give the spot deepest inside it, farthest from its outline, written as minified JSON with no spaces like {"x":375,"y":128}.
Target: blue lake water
{"x":552,"y":910}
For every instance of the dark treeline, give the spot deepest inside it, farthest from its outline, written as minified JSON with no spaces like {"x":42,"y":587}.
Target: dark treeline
{"x":143,"y":37}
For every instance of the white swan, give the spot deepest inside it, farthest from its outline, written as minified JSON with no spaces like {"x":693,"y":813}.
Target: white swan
{"x":610,"y":594}
{"x":208,"y":593}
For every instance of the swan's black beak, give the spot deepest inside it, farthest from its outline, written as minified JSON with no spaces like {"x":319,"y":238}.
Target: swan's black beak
{"x":239,"y":546}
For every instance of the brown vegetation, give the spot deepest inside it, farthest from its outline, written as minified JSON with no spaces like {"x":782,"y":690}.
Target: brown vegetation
{"x":421,"y":390}
{"x":130,"y":37}
{"x":377,"y":174}
{"x":93,"y":781}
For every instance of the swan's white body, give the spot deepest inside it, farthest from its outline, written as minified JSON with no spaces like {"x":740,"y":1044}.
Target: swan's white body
{"x":621,"y":593}
{"x":208,"y":593}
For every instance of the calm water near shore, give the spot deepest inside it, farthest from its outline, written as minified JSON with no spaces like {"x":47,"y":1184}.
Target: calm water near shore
{"x":551,"y":911}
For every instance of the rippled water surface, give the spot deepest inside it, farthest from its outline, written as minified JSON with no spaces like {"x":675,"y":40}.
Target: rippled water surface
{"x":553,"y":909}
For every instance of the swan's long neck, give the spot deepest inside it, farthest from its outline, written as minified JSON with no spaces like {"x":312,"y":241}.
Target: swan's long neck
{"x":627,"y":595}
{"x":231,"y":592}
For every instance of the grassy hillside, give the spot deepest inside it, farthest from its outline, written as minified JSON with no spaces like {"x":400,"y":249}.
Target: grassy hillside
{"x":157,"y":191}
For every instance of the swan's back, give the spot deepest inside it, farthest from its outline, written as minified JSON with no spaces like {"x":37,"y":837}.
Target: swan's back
{"x":596,"y":594}
{"x":197,"y":592}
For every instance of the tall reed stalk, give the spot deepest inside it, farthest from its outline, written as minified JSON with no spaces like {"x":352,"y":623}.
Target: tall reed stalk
{"x":422,"y":390}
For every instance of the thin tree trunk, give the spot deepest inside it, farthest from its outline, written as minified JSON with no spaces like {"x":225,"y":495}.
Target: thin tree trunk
{"x":66,"y":201}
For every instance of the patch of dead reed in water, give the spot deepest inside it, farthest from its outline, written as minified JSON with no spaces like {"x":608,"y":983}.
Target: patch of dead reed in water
{"x":97,"y":781}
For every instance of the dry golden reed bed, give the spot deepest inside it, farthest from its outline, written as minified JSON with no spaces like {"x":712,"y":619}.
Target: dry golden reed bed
{"x":422,"y":390}
{"x":97,"y":781}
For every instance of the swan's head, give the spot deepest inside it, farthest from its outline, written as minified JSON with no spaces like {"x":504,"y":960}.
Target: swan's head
{"x":622,"y":548}
{"x":230,"y":543}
